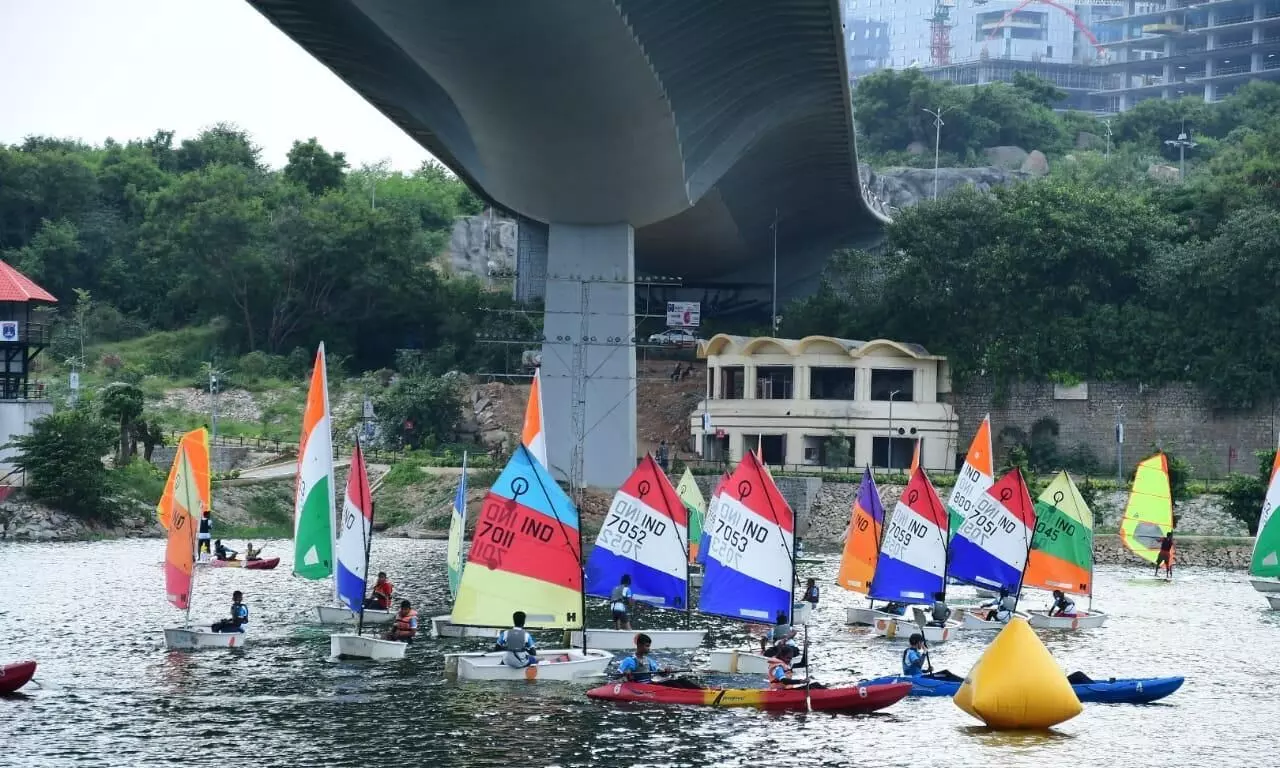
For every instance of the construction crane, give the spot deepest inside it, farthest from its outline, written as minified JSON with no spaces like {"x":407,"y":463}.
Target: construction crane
{"x":940,"y":33}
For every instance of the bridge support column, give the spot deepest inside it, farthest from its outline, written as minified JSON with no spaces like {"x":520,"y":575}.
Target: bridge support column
{"x":588,"y":358}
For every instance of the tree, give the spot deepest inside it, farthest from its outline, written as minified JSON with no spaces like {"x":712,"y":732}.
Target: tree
{"x":311,"y":167}
{"x":122,"y":403}
{"x":222,"y":144}
{"x":62,"y":459}
{"x":421,"y":410}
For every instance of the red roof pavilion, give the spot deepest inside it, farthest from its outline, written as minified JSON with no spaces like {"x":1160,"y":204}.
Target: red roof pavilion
{"x":17,"y":287}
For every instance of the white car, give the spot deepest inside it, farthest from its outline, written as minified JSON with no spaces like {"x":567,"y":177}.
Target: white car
{"x":675,"y":337}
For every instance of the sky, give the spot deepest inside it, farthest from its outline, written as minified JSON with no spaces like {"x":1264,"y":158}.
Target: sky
{"x":92,"y":69}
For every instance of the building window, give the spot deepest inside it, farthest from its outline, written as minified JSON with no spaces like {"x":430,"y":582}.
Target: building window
{"x":773,"y":448}
{"x":831,"y":383}
{"x":903,"y":448}
{"x":835,"y":451}
{"x":732,"y":382}
{"x":715,"y":447}
{"x":711,"y":381}
{"x":885,"y":382}
{"x":773,"y":382}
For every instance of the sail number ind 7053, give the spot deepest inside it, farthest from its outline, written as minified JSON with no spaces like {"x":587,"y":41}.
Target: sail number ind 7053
{"x":736,"y":531}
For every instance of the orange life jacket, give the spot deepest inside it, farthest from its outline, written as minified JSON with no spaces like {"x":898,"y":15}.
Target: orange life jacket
{"x":405,"y":624}
{"x":774,"y":664}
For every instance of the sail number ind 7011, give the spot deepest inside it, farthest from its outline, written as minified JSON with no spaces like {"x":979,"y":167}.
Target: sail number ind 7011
{"x":736,"y":532}
{"x":499,"y":526}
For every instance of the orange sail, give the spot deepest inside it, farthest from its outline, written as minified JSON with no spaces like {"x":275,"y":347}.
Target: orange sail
{"x":184,"y":511}
{"x":196,"y":443}
{"x":862,"y":546}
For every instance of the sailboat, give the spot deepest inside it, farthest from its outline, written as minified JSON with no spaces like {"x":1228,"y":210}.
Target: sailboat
{"x":354,"y":541}
{"x":1148,"y":516}
{"x":975,"y":477}
{"x":913,"y":559}
{"x":526,"y":555}
{"x":695,"y":506}
{"x":1062,"y":554}
{"x":1264,"y":566}
{"x":644,"y":536}
{"x":708,"y":523}
{"x":991,"y":547}
{"x":862,"y":549}
{"x":750,"y":561}
{"x":443,"y":626}
{"x":183,"y":512}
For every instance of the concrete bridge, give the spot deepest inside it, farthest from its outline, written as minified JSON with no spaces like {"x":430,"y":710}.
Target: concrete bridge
{"x":663,"y":136}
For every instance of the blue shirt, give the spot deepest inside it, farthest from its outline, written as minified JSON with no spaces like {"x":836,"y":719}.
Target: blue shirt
{"x":240,"y":611}
{"x":631,"y":665}
{"x":778,"y":673}
{"x":529,"y":645}
{"x":912,"y":662}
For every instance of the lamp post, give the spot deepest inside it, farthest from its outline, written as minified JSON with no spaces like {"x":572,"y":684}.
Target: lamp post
{"x":1107,"y":124}
{"x":1120,"y":444}
{"x":773,"y":315}
{"x":937,"y":143}
{"x":892,"y":395}
{"x":1183,"y":143}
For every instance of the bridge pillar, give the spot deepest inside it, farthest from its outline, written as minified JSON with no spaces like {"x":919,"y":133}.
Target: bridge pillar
{"x":588,"y":358}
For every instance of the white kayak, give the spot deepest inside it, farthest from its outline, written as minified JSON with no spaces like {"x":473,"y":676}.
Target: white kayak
{"x":902,"y":627}
{"x":866,"y":616}
{"x":625,"y":639}
{"x":443,"y":626}
{"x":563,"y":664}
{"x":337,"y":614}
{"x":1266,"y":585}
{"x":353,"y":646}
{"x":735,"y":662}
{"x":197,"y":638}
{"x":1082,"y":620}
{"x":1274,"y":600}
{"x":971,"y":622}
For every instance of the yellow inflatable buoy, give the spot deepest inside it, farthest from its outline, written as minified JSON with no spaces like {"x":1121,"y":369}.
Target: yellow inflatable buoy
{"x":1017,"y":685}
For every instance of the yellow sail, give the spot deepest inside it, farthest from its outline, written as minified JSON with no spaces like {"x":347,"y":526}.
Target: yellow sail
{"x":1149,"y":514}
{"x":196,"y":445}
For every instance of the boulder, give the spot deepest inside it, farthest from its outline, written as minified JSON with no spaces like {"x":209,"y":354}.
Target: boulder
{"x":1010,"y":158}
{"x":1036,"y":164}
{"x":494,"y":438}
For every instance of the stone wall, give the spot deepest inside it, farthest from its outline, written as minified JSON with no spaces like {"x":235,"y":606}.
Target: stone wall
{"x":222,"y":458}
{"x":482,"y":244}
{"x":1177,"y":417}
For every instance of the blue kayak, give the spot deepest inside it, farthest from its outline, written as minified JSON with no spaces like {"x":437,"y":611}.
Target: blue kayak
{"x":1113,"y":691}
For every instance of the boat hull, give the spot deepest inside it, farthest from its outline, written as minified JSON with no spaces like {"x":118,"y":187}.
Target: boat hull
{"x":1129,"y":691}
{"x":336,"y":614}
{"x":904,"y":628}
{"x":852,"y":700}
{"x":266,"y":564}
{"x":443,"y":626}
{"x":735,"y":662}
{"x":1266,"y":585}
{"x":352,"y":646}
{"x":801,"y":613}
{"x":971,"y":623}
{"x":14,"y":676}
{"x":1274,"y":601}
{"x":200,"y":638}
{"x":866,"y":617}
{"x":563,"y":664}
{"x":625,"y":639}
{"x":1085,"y":620}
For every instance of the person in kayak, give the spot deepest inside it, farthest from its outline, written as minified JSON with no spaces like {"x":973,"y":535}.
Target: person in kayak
{"x":222,"y":553}
{"x":518,"y":643}
{"x":782,"y":633}
{"x":915,"y":657}
{"x":405,"y":625}
{"x":940,"y":612}
{"x":1062,"y":605}
{"x":205,"y":534}
{"x":811,"y":593}
{"x":380,"y":597}
{"x":639,"y":667}
{"x":620,"y":603}
{"x":1165,"y":557}
{"x":250,"y":553}
{"x":781,"y":669}
{"x":239,"y":615}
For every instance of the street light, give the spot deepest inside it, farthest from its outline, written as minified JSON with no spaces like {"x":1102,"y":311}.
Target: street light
{"x":892,"y":395}
{"x":937,"y":142}
{"x":1183,"y":143}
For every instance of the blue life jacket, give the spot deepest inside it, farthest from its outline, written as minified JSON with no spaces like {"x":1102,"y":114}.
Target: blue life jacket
{"x":240,"y":613}
{"x":911,"y":667}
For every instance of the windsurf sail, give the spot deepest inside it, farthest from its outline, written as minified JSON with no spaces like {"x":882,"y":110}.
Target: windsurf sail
{"x":975,"y":477}
{"x":196,"y":444}
{"x":354,"y":535}
{"x":990,"y":548}
{"x":695,"y":506}
{"x":708,"y":523}
{"x":862,"y":545}
{"x":184,"y":512}
{"x":913,"y":552}
{"x":750,"y":565}
{"x":1266,"y":548}
{"x":526,"y":553}
{"x":644,"y":536}
{"x":457,"y":530}
{"x":1149,"y":514}
{"x":313,"y":527}
{"x":1062,"y":548}
{"x":533,"y":436}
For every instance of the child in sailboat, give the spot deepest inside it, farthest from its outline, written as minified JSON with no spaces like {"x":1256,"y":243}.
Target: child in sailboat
{"x":405,"y":625}
{"x":782,"y":633}
{"x":1062,"y":605}
{"x":380,"y":598}
{"x":940,"y":612}
{"x":811,"y":593}
{"x":239,"y":615}
{"x":620,"y":603}
{"x":518,"y":643}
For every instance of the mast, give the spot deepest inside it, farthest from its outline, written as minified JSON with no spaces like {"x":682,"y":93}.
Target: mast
{"x":368,"y":540}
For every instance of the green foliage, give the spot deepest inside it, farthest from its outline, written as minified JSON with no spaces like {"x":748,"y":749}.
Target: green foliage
{"x":403,"y":474}
{"x":1179,"y":477}
{"x":140,"y":481}
{"x":122,"y":403}
{"x":421,"y":410}
{"x":1244,"y":495}
{"x":838,"y":450}
{"x":270,"y":509}
{"x":62,"y":459}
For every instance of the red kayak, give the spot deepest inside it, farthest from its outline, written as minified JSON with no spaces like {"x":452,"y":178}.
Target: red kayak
{"x":262,"y":565}
{"x":14,"y":676}
{"x":852,"y":699}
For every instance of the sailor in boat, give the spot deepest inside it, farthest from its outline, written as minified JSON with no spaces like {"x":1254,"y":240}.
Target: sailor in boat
{"x":222,"y":553}
{"x":1000,"y":608}
{"x":640,"y":668}
{"x":897,"y":609}
{"x":405,"y":625}
{"x":781,"y":669}
{"x":782,"y":633}
{"x":940,"y":612}
{"x":620,"y":603}
{"x":1062,"y":605}
{"x":518,"y":643}
{"x":811,"y":593}
{"x":1165,"y":557}
{"x":251,"y":554}
{"x":239,"y":615}
{"x":204,"y":535}
{"x":380,"y":598}
{"x":915,"y":657}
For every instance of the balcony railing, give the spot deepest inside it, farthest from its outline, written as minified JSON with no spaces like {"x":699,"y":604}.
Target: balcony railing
{"x":38,"y":334}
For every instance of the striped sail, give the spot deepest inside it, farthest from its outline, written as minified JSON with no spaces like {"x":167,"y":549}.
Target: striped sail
{"x":750,"y":566}
{"x":862,"y":545}
{"x":913,"y":552}
{"x":354,"y":535}
{"x":975,"y":477}
{"x":1149,"y":514}
{"x":990,"y":548}
{"x":184,"y":514}
{"x":313,"y":507}
{"x":704,"y":541}
{"x":457,"y":530}
{"x":526,"y":553}
{"x":196,"y":444}
{"x":533,"y":436}
{"x":644,"y":536}
{"x":1062,"y":548}
{"x":1265,"y":562}
{"x":694,"y":505}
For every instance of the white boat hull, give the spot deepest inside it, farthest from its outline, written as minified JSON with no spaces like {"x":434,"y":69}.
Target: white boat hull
{"x":1085,"y":620}
{"x":1274,"y":600}
{"x":336,"y":614}
{"x":1266,"y":586}
{"x":625,"y":639}
{"x":801,"y":613}
{"x":197,"y":638}
{"x":442,"y":626}
{"x":899,"y":627}
{"x":564,"y":664}
{"x":866,"y":616}
{"x":735,"y":662}
{"x":352,"y":646}
{"x":972,"y":623}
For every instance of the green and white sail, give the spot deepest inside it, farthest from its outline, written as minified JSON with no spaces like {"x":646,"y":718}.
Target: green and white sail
{"x":313,"y":509}
{"x":1266,"y":548}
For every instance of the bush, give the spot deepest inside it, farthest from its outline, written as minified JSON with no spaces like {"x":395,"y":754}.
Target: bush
{"x":1243,"y":495}
{"x":62,"y":458}
{"x":421,"y":410}
{"x":1179,"y":477}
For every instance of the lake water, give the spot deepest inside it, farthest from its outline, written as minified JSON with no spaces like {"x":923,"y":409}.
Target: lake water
{"x":112,"y":696}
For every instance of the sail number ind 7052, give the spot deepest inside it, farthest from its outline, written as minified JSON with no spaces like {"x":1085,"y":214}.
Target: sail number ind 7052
{"x":628,"y":527}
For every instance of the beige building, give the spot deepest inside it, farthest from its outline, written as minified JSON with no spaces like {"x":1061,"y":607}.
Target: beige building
{"x":789,"y":397}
